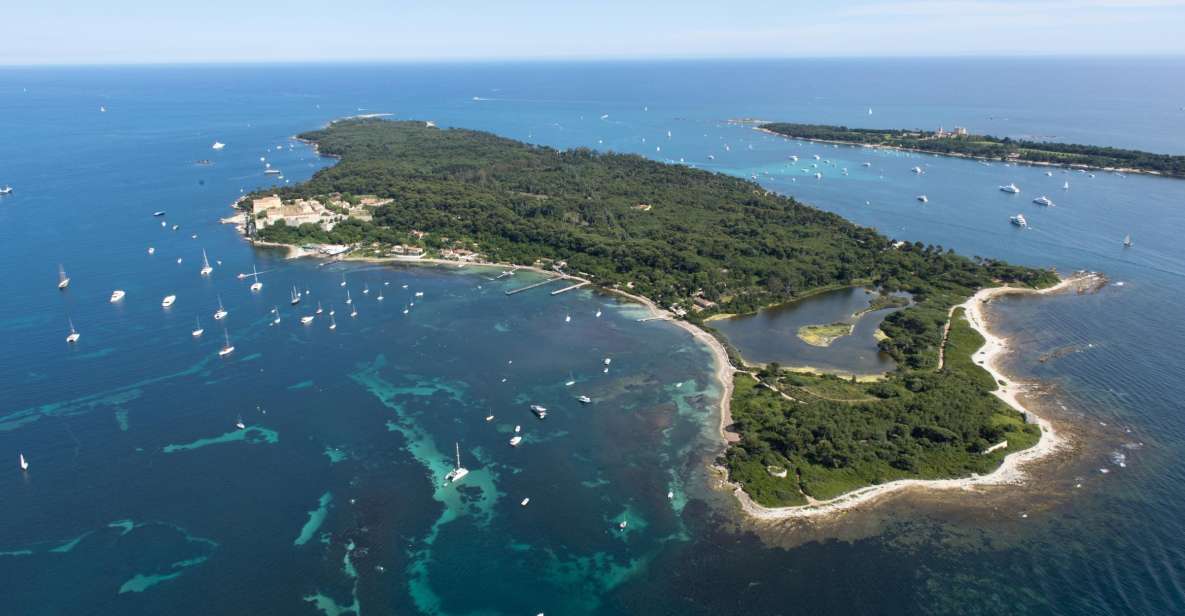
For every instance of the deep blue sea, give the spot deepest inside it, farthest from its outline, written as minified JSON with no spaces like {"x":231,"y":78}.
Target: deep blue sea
{"x":142,"y":497}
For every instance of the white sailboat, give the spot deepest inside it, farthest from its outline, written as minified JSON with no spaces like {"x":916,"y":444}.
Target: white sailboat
{"x":343,"y":283}
{"x":199,"y":330}
{"x":239,"y":423}
{"x":206,"y":269}
{"x":24,"y":462}
{"x":229,"y":348}
{"x":1066,"y":185}
{"x":1127,"y":241}
{"x":276,"y":311}
{"x":63,"y":279}
{"x":332,"y":322}
{"x":295,"y":296}
{"x":73,"y":336}
{"x":319,"y":311}
{"x":349,"y":300}
{"x":354,"y":312}
{"x":221,"y":312}
{"x":255,"y":286}
{"x":458,"y":471}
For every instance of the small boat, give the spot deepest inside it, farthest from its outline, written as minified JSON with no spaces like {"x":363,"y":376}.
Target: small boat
{"x":168,"y":301}
{"x":524,"y":502}
{"x":1010,"y":189}
{"x":271,"y":172}
{"x":1066,"y":185}
{"x":63,"y":279}
{"x":318,"y":311}
{"x":221,"y":312}
{"x":117,"y":295}
{"x":568,"y":318}
{"x":623,"y":524}
{"x":1043,"y":200}
{"x":458,"y":471}
{"x":5,"y":190}
{"x":1019,"y":220}
{"x":518,"y":429}
{"x":255,"y":286}
{"x":865,"y":164}
{"x":1048,"y":174}
{"x":295,"y":296}
{"x":175,"y":227}
{"x":923,"y":198}
{"x":419,"y":294}
{"x":608,"y":361}
{"x":229,"y":348}
{"x":239,"y":423}
{"x":23,"y":462}
{"x":332,"y":311}
{"x":73,"y":336}
{"x":159,"y":213}
{"x":199,"y":330}
{"x":218,"y":145}
{"x":206,"y":269}
{"x":164,"y":224}
{"x":539,"y":411}
{"x":598,"y":315}
{"x":403,"y":286}
{"x":917,"y":170}
{"x":569,"y":383}
{"x":584,"y":399}
{"x":515,"y":440}
{"x":178,"y":260}
{"x":305,"y":320}
{"x":1127,"y":241}
{"x":489,"y":418}
{"x":406,"y":310}
{"x":332,"y":323}
{"x":151,"y":250}
{"x":670,"y":494}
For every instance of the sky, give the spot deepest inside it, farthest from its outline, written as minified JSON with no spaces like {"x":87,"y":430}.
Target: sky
{"x":166,"y":31}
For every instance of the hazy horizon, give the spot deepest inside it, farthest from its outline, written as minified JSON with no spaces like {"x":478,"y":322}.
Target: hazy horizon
{"x":68,"y":32}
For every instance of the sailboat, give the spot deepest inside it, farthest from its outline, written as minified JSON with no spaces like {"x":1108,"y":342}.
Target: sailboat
{"x":343,"y":283}
{"x":63,"y":279}
{"x":206,"y":269}
{"x":24,"y":462}
{"x":380,"y":297}
{"x":348,"y":299}
{"x":365,"y":288}
{"x":1127,"y":241}
{"x":319,"y":311}
{"x":1066,"y":185}
{"x":276,"y":311}
{"x":458,"y":471}
{"x":221,"y":312}
{"x":332,"y":322}
{"x":354,"y":312}
{"x":598,"y":315}
{"x":255,"y":286}
{"x":239,"y":423}
{"x":199,"y":330}
{"x":74,"y":335}
{"x":229,"y":348}
{"x":295,"y":296}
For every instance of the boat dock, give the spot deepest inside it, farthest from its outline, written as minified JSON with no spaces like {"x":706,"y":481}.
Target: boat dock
{"x":569,"y":288}
{"x":533,"y":285}
{"x":659,"y":317}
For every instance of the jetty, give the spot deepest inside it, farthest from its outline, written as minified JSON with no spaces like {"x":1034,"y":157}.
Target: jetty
{"x":569,"y":288}
{"x":533,"y":285}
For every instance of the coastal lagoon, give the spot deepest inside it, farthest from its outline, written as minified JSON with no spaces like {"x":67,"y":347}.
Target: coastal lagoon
{"x":143,"y":497}
{"x":772,"y":334}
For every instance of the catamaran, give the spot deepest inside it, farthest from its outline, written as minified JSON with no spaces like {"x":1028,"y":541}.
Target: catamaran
{"x":221,"y":312}
{"x":199,"y":330}
{"x":206,"y":269}
{"x":229,"y":348}
{"x":458,"y":471}
{"x":255,"y":286}
{"x":73,"y":336}
{"x":1010,"y":188}
{"x":295,"y":296}
{"x":116,"y":295}
{"x":63,"y":279}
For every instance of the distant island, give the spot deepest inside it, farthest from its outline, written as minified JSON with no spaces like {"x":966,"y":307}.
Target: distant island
{"x":697,"y":244}
{"x":960,"y":142}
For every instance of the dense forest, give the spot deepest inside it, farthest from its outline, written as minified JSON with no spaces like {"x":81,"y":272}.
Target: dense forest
{"x":673,"y":233}
{"x":986,"y":146}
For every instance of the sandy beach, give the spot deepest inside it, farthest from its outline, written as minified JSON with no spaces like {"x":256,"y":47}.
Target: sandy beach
{"x":1010,"y":471}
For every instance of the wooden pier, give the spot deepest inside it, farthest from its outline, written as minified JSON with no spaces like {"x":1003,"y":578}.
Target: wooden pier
{"x":533,"y":285}
{"x":569,"y":288}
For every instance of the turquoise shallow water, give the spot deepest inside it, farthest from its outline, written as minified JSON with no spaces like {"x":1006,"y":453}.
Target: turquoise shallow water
{"x":143,"y":498}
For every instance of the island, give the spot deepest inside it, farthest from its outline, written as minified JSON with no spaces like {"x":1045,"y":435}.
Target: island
{"x":696,"y":244}
{"x":960,"y":142}
{"x":824,"y":335}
